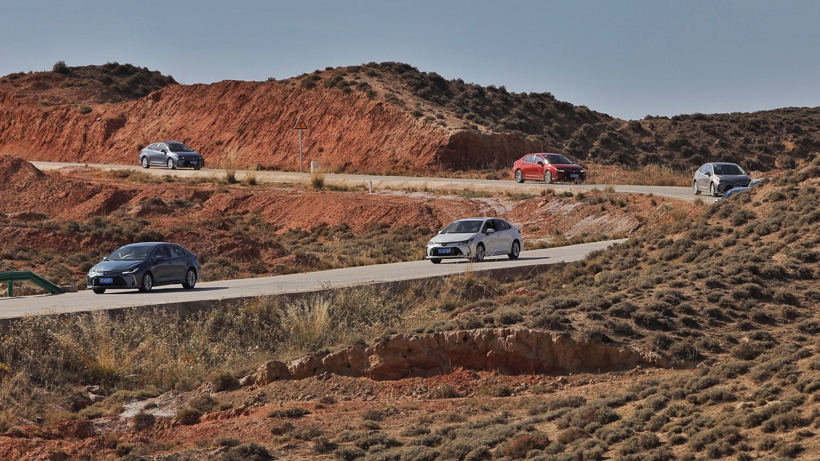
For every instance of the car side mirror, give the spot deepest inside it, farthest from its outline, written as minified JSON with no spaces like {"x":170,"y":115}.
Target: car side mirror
{"x":441,"y":231}
{"x":708,"y":174}
{"x":489,"y":231}
{"x":541,"y":162}
{"x":164,"y":151}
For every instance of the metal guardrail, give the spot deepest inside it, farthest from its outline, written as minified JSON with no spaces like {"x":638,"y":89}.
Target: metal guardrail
{"x":27,"y":276}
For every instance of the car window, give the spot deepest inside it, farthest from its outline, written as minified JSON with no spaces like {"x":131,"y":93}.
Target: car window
{"x":528,"y":159}
{"x":729,"y":168}
{"x":463,"y":227}
{"x":178,"y":147}
{"x":177,"y":252}
{"x":152,"y":147}
{"x":161,"y":251}
{"x":161,"y":146}
{"x":501,"y":225}
{"x":489,"y":225}
{"x":130,"y":253}
{"x":556,"y":159}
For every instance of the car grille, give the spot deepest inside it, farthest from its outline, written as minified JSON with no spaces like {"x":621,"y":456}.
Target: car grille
{"x":118,"y":282}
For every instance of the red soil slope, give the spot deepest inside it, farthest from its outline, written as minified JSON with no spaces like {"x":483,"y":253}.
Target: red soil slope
{"x":251,"y":121}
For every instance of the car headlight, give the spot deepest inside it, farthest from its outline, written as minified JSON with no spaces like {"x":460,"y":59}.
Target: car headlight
{"x":93,"y":272}
{"x":466,"y":242}
{"x":130,"y":271}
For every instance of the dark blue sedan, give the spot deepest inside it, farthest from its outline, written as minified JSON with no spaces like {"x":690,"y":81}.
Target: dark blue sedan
{"x":144,"y":266}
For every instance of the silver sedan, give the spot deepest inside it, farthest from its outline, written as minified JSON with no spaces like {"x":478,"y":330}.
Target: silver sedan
{"x":474,"y":239}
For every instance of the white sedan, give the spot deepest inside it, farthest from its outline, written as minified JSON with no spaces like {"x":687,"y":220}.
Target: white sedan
{"x":474,"y":239}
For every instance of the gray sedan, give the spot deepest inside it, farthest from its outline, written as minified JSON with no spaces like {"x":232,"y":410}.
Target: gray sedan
{"x":171,"y":154}
{"x":718,"y":178}
{"x":144,"y":266}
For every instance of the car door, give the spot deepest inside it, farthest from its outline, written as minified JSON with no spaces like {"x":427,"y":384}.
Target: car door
{"x":162,"y":154}
{"x":539,"y":166}
{"x":177,"y":271}
{"x":503,"y":230}
{"x":529,"y":166}
{"x":162,"y":264}
{"x":490,"y":238}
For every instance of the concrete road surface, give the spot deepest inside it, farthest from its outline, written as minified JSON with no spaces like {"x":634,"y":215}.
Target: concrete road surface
{"x":397,"y":182}
{"x":86,"y":300}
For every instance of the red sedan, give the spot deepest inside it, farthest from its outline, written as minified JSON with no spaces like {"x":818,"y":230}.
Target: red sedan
{"x":549,"y":167}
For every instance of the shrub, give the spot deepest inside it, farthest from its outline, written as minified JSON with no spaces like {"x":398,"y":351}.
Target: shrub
{"x":317,"y":180}
{"x":60,"y":67}
{"x":84,"y":110}
{"x":188,"y":416}
{"x":294,"y":412}
{"x":247,"y":452}
{"x":519,"y":446}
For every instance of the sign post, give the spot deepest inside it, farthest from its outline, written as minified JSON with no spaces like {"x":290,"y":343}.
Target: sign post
{"x":301,"y":126}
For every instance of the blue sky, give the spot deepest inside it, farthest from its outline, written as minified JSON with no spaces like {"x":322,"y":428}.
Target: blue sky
{"x":625,"y":58}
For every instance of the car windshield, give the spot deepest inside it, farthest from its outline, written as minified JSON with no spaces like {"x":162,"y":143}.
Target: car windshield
{"x":131,"y":253}
{"x":556,"y":159}
{"x":463,"y":227}
{"x":728,"y":168}
{"x":179,"y":147}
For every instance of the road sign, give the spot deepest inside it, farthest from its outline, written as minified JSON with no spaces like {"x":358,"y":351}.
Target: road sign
{"x":301,"y":126}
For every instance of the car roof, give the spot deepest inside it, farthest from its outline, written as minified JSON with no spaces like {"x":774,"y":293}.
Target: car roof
{"x":722,"y":163}
{"x":484,"y":218}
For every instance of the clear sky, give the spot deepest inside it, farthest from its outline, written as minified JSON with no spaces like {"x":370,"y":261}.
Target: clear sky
{"x":625,"y":58}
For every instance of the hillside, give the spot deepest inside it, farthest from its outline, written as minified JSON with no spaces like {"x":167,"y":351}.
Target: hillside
{"x":694,"y":340}
{"x":381,"y":118}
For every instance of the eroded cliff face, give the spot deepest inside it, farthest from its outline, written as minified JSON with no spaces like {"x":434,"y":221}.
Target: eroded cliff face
{"x":508,"y":350}
{"x":253,"y":122}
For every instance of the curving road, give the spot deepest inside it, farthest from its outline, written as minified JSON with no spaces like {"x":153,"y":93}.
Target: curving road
{"x":205,"y":294}
{"x":397,"y":182}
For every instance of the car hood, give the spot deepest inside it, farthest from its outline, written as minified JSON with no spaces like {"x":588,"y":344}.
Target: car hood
{"x":113,"y":266}
{"x":451,"y":238}
{"x":734,"y":178}
{"x":188,"y":154}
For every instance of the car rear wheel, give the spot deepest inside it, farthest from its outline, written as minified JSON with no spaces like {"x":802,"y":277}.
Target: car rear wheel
{"x":147,"y":282}
{"x":712,"y":190}
{"x":515,"y":251}
{"x":145,"y":163}
{"x":695,"y":188}
{"x":480,"y":252}
{"x":519,"y":176}
{"x":198,"y":167}
{"x":435,"y":260}
{"x":190,"y":279}
{"x":170,"y":164}
{"x":99,"y":291}
{"x":548,"y":176}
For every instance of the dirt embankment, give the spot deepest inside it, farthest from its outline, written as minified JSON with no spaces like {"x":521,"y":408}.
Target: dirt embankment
{"x":507,"y":350}
{"x":253,"y":122}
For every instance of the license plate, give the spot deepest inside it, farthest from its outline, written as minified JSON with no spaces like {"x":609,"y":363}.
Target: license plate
{"x":573,"y":176}
{"x":106,"y":280}
{"x":443,"y":251}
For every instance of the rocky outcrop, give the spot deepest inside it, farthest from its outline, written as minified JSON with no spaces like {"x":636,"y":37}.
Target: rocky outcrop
{"x":508,"y":350}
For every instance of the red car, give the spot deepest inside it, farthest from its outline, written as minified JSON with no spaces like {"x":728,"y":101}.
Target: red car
{"x":549,"y":167}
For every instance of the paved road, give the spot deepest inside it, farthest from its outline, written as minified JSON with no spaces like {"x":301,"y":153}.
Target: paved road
{"x":293,"y":283}
{"x":397,"y":182}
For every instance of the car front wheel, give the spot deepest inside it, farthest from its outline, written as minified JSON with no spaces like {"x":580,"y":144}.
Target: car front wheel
{"x":712,"y":190}
{"x":480,"y":252}
{"x":548,"y":177}
{"x":170,"y":164}
{"x":515,"y":251}
{"x":695,"y":188}
{"x":519,"y":176}
{"x":99,"y":291}
{"x":147,"y":282}
{"x":435,"y":260}
{"x":145,"y":163}
{"x":190,"y":279}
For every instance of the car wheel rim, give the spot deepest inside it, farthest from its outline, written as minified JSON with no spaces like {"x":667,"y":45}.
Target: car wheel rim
{"x":479,"y":252}
{"x":547,"y":177}
{"x":170,"y":164}
{"x":147,"y":283}
{"x":191,"y":278}
{"x":695,"y":187}
{"x":518,"y":175}
{"x":516,"y":249}
{"x":144,"y":162}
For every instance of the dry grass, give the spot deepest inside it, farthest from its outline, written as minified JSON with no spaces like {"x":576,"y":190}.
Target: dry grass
{"x":317,"y":179}
{"x":229,"y":167}
{"x":650,"y":175}
{"x":250,"y":175}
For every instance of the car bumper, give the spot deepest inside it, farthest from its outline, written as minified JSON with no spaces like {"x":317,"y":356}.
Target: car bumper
{"x":723,"y":188}
{"x":569,"y":176}
{"x":449,"y":251}
{"x":117,"y":281}
{"x":191,"y":163}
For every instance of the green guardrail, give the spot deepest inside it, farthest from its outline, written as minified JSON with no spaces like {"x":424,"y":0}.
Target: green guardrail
{"x":27,"y":276}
